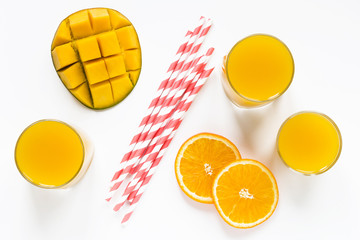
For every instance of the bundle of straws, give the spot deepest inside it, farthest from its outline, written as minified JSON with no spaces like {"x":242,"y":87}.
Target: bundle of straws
{"x":185,"y":77}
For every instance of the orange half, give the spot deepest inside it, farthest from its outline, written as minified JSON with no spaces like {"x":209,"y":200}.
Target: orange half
{"x":245,"y":193}
{"x":199,"y":160}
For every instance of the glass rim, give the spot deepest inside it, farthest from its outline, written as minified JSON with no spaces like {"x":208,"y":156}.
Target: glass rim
{"x":272,"y":98}
{"x":50,"y":186}
{"x":338,"y":134}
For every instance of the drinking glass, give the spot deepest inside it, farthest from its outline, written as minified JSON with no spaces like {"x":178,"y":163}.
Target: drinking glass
{"x":257,"y":70}
{"x":309,"y":142}
{"x":52,"y":154}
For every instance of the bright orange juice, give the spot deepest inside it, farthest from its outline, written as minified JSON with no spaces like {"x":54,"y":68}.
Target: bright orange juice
{"x":309,"y":142}
{"x":257,"y":70}
{"x":49,"y":153}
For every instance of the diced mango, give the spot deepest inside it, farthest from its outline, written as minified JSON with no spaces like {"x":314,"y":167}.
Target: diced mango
{"x":80,"y":24}
{"x":96,"y":71}
{"x":134,"y":76}
{"x":100,"y":20}
{"x":62,"y":35}
{"x":97,"y":55}
{"x":109,"y":44}
{"x":115,"y":65}
{"x":118,"y":20}
{"x":132,"y":59}
{"x":127,"y":37}
{"x":63,"y":56}
{"x":82,"y":93}
{"x":88,"y":48}
{"x":72,"y":76}
{"x":102,"y":94}
{"x":121,"y":87}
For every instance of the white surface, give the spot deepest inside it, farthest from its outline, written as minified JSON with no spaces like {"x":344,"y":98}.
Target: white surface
{"x":324,"y":37}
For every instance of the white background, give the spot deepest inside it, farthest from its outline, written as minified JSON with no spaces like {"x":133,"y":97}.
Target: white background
{"x":324,"y":38}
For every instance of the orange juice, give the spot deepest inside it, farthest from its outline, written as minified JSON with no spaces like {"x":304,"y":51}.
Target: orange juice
{"x":49,"y":154}
{"x":257,"y":70}
{"x":309,"y":142}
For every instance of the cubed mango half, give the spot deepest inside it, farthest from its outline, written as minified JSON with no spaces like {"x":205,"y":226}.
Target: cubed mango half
{"x":97,"y":55}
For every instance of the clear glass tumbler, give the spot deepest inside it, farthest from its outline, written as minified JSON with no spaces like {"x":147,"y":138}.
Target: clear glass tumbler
{"x":257,"y":70}
{"x":52,"y":154}
{"x":309,"y":142}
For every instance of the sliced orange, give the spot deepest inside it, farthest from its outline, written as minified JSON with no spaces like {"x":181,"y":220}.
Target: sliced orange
{"x":199,"y":160}
{"x":245,"y":193}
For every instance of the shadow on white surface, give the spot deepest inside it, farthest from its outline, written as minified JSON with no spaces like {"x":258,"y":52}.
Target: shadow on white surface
{"x":48,"y":204}
{"x":251,"y":120}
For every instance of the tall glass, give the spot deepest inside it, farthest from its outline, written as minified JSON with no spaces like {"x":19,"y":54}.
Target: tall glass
{"x":257,"y":70}
{"x":52,"y":154}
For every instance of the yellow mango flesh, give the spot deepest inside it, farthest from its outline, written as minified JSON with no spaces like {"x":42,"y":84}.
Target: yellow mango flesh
{"x":72,"y":76}
{"x":83,"y":95}
{"x":121,"y":85}
{"x":97,"y":55}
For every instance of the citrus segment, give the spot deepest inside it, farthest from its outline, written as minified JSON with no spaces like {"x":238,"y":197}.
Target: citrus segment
{"x":245,"y":193}
{"x":199,"y":160}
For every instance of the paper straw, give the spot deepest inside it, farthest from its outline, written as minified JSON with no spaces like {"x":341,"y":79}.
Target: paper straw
{"x":151,"y":128}
{"x":147,"y":158}
{"x":179,"y":114}
{"x":192,"y":79}
{"x":141,"y":186}
{"x":153,"y":104}
{"x":170,"y":108}
{"x":142,"y":144}
{"x":175,"y":95}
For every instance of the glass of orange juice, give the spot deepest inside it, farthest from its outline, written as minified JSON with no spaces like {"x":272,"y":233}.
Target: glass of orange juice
{"x":257,"y":70}
{"x":52,"y":154}
{"x":309,"y":142}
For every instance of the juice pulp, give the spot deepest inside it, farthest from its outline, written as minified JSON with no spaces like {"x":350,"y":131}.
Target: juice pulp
{"x":49,"y":153}
{"x":309,"y":142}
{"x":259,"y":68}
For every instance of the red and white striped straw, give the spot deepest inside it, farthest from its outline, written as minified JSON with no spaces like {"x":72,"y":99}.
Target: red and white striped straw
{"x":174,"y":124}
{"x":149,"y":129}
{"x":150,"y":109}
{"x":177,"y":117}
{"x":154,"y":103}
{"x":175,"y":94}
{"x":144,"y":162}
{"x":164,"y":121}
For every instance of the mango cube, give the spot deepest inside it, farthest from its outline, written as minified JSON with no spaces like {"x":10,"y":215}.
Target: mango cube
{"x":96,"y":71}
{"x":134,"y":76}
{"x":121,"y":86}
{"x":127,"y":37}
{"x":102,"y":94}
{"x":62,"y":35}
{"x":132,"y":59}
{"x":82,"y":93}
{"x":72,"y":76}
{"x":100,"y":20}
{"x":118,"y":20}
{"x":88,"y":49}
{"x":63,"y":56}
{"x":80,"y":24}
{"x":115,"y":65}
{"x":109,"y":44}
